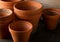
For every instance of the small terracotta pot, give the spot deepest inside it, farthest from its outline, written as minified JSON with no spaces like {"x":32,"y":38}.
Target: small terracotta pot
{"x":29,"y":11}
{"x":20,"y":31}
{"x":51,"y":18}
{"x":6,"y":17}
{"x":7,"y":3}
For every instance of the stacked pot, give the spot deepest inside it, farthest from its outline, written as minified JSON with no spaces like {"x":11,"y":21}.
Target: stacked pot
{"x":28,"y":14}
{"x":6,"y":17}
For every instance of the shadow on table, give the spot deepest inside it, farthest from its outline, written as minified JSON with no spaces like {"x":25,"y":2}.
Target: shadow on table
{"x":44,"y":35}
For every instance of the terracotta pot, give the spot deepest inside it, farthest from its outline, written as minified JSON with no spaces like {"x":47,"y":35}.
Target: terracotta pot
{"x":51,"y":18}
{"x":20,"y":31}
{"x":29,"y":11}
{"x":6,"y":17}
{"x":7,"y":3}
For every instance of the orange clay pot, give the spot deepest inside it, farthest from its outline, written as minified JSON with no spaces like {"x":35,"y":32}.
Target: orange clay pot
{"x":20,"y":31}
{"x":7,"y":3}
{"x":51,"y":18}
{"x":6,"y":17}
{"x":29,"y":11}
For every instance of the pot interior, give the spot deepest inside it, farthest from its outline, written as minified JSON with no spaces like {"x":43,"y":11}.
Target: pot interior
{"x":5,"y":12}
{"x":50,"y":12}
{"x":28,"y":5}
{"x":21,"y":26}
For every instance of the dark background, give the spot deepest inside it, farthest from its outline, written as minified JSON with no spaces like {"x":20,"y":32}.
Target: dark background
{"x":44,"y":35}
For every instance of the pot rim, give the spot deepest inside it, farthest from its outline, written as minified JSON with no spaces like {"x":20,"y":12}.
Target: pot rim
{"x":10,"y":29}
{"x":9,"y":10}
{"x":52,"y":9}
{"x":28,"y":9}
{"x":9,"y":1}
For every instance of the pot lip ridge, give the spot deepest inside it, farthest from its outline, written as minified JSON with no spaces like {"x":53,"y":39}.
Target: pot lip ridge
{"x":52,"y":9}
{"x":21,"y":31}
{"x":8,"y":14}
{"x":28,"y":10}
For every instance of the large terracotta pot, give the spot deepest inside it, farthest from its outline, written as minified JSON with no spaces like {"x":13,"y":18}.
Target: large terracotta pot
{"x":7,"y":3}
{"x":6,"y":17}
{"x":20,"y":31}
{"x":29,"y":11}
{"x":51,"y":18}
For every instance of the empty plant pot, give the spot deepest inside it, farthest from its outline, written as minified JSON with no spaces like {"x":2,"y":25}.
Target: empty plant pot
{"x":8,"y":4}
{"x":51,"y":18}
{"x":29,"y":11}
{"x":6,"y":17}
{"x":20,"y":31}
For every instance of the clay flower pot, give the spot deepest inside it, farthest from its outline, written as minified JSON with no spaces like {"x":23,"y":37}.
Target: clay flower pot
{"x":51,"y":18}
{"x":6,"y":17}
{"x":20,"y":31}
{"x":7,"y":3}
{"x":29,"y":11}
